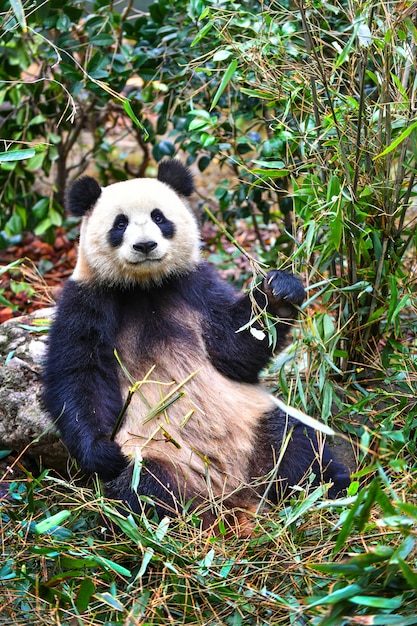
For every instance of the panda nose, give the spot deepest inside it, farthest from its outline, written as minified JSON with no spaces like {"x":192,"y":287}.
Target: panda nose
{"x":145,"y":246}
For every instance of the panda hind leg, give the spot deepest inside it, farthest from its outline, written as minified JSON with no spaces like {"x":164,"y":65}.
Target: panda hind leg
{"x":300,"y":451}
{"x":335,"y":472}
{"x":156,"y":483}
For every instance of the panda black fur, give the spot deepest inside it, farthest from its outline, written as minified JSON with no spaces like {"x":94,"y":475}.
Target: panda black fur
{"x":141,"y":291}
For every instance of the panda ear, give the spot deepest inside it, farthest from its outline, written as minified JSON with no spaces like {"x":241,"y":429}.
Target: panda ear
{"x":177,"y":176}
{"x":82,"y":195}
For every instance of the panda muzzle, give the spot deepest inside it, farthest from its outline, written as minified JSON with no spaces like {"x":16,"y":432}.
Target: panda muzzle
{"x":145,"y":246}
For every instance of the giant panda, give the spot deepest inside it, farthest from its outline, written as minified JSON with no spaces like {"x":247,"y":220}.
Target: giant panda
{"x":146,"y":332}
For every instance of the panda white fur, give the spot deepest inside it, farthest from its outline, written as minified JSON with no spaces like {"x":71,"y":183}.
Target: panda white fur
{"x":142,"y":307}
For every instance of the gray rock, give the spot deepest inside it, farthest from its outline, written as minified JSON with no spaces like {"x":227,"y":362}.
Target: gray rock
{"x":24,"y":425}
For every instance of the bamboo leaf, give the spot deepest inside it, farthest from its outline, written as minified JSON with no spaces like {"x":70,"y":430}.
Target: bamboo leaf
{"x":87,"y":588}
{"x":271,"y":173}
{"x":409,"y":574}
{"x":10,"y":266}
{"x":19,"y":13}
{"x":147,"y":557}
{"x":224,"y":82}
{"x":49,"y":523}
{"x":128,"y":109}
{"x":377,"y":601}
{"x":115,"y":567}
{"x":108,"y":599}
{"x":336,"y":596}
{"x":203,"y":32}
{"x":302,"y":417}
{"x":406,"y":133}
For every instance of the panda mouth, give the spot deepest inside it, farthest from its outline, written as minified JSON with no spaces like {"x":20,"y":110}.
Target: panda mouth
{"x":146,"y":259}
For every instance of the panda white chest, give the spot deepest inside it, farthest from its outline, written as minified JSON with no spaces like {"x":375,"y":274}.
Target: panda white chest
{"x":184,"y":412}
{"x":160,"y":351}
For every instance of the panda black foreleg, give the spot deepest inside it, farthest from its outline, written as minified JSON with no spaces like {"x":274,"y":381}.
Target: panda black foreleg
{"x":295,"y":450}
{"x":233,"y":347}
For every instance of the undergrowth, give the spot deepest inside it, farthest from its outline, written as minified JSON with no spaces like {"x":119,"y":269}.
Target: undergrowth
{"x":310,"y":562}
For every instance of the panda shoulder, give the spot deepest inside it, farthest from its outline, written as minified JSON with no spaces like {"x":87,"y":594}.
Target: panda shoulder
{"x":205,"y":285}
{"x":81,"y":299}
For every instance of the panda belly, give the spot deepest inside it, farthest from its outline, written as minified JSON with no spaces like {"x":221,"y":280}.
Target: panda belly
{"x":189,"y":417}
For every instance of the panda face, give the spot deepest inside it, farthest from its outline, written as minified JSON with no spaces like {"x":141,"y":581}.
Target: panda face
{"x":138,"y":232}
{"x":142,"y":238}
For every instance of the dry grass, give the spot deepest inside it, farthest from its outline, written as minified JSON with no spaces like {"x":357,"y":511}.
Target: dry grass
{"x":63,"y":562}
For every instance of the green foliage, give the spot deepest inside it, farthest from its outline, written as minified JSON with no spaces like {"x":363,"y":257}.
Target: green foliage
{"x":62,"y":73}
{"x":335,"y":115}
{"x":306,"y":563}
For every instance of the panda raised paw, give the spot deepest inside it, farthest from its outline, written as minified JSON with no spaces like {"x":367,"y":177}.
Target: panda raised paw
{"x":285,"y":292}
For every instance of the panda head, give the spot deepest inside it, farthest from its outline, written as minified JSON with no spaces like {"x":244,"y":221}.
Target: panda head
{"x":136,"y":232}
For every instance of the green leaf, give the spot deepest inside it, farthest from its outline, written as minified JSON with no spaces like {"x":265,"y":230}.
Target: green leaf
{"x":55,"y":217}
{"x":298,"y":511}
{"x":14,"y":225}
{"x":17,"y":155}
{"x":103,"y":39}
{"x":86,"y":590}
{"x":274,"y":165}
{"x":406,"y":133}
{"x":333,"y":189}
{"x":162,"y":529}
{"x":40,"y":209}
{"x":411,"y":28}
{"x":345,"y":52}
{"x":126,"y":524}
{"x":115,"y":567}
{"x":224,"y":82}
{"x":136,"y":474}
{"x":46,"y":525}
{"x":336,"y":596}
{"x":42,"y":227}
{"x":108,"y":599}
{"x":38,"y":119}
{"x":198,"y":124}
{"x":377,"y":601}
{"x":222,"y":55}
{"x":258,"y":93}
{"x":147,"y":557}
{"x":10,"y":266}
{"x":409,"y":574}
{"x":271,"y":173}
{"x":349,"y":521}
{"x":129,"y":111}
{"x":19,"y":13}
{"x":35,"y":162}
{"x":402,"y":304}
{"x":202,"y":33}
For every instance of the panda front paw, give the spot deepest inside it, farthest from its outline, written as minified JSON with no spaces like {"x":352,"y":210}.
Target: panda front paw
{"x":339,"y":475}
{"x":283,"y":290}
{"x":105,"y":458}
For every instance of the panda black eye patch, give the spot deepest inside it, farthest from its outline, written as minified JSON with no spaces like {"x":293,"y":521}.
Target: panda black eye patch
{"x":117,"y":230}
{"x":166,"y":227}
